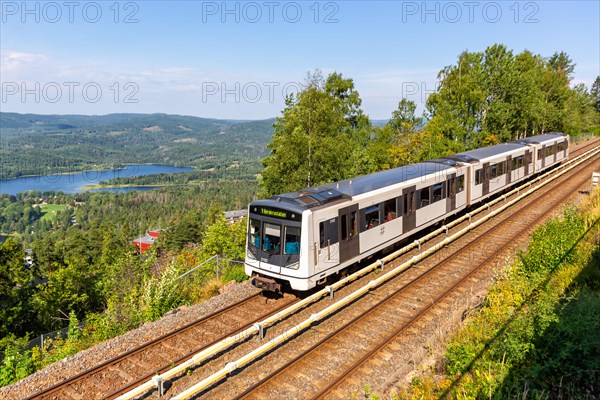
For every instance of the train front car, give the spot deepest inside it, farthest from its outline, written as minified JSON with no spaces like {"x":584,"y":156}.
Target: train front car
{"x":274,"y":243}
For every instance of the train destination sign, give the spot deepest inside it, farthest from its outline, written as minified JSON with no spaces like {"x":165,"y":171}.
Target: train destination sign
{"x":277,"y":213}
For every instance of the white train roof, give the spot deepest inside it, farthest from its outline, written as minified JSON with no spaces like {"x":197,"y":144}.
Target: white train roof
{"x":348,"y":188}
{"x":541,"y":138}
{"x":487,"y":152}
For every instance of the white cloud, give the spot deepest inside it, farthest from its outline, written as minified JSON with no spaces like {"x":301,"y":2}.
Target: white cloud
{"x":15,"y":61}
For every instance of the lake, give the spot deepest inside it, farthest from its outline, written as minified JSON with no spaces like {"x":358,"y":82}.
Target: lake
{"x":74,"y":182}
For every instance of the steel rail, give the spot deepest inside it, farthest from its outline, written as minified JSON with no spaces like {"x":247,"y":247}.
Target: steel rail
{"x":138,"y":349}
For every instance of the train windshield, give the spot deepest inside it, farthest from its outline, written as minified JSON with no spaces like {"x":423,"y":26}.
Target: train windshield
{"x":274,"y":241}
{"x":272,"y":238}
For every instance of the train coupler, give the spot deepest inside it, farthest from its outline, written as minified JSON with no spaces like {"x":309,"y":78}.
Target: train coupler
{"x":266,"y":284}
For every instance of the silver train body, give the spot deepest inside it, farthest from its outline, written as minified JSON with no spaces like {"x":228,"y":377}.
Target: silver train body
{"x":303,"y":238}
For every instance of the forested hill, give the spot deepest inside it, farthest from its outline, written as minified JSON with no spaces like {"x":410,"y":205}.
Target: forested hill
{"x":32,"y":144}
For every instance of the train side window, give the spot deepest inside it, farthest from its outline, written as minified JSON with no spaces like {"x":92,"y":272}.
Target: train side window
{"x":332,"y":231}
{"x":520,"y":162}
{"x":409,"y":203}
{"x":460,"y":184}
{"x":424,"y":197}
{"x":478,"y":174}
{"x":493,"y":171}
{"x":389,"y":210}
{"x":328,"y":232}
{"x":437,"y":192}
{"x":353,"y":225}
{"x":407,"y":207}
{"x":322,"y":240}
{"x":501,"y":168}
{"x":344,"y":227}
{"x":372,"y":217}
{"x":451,"y":187}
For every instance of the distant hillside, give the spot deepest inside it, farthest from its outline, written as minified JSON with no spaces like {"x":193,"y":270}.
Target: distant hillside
{"x":32,"y":144}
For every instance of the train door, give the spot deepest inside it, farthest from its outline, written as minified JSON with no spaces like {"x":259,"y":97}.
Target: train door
{"x":409,"y":209}
{"x":329,"y":247}
{"x":451,"y":193}
{"x":348,"y":233}
{"x":508,"y":170}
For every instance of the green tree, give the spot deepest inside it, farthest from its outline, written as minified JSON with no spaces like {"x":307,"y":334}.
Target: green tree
{"x":562,"y":64}
{"x":456,"y":108}
{"x":215,"y":211}
{"x":74,"y":331}
{"x":595,"y":93}
{"x":15,"y":289}
{"x":403,"y":118}
{"x":495,"y":96}
{"x":313,"y":141}
{"x":226,"y":240}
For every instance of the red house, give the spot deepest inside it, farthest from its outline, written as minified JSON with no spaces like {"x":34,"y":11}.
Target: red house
{"x":143,"y":243}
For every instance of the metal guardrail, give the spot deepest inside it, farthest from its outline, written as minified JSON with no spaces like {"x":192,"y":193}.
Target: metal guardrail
{"x":158,"y":380}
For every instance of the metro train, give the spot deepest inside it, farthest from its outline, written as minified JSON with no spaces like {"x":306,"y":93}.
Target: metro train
{"x":303,"y":239}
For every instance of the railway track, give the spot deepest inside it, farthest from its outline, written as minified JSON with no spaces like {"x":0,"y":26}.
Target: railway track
{"x":119,"y":374}
{"x":317,"y":362}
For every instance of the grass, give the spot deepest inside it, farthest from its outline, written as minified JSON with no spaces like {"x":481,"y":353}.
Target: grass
{"x":50,"y":210}
{"x":537,"y":330}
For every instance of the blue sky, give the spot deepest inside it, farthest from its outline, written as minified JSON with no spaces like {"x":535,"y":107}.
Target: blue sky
{"x":238,"y":59}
